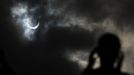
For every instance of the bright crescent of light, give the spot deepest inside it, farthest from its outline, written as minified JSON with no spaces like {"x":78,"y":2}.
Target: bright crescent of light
{"x":34,"y":27}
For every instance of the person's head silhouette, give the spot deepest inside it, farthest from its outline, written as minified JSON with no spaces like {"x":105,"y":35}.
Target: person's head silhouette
{"x":108,"y":49}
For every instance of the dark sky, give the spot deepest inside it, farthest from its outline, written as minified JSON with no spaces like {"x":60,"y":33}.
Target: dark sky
{"x":37,"y":34}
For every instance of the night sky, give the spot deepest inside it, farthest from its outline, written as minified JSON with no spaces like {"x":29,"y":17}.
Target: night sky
{"x":42,"y":37}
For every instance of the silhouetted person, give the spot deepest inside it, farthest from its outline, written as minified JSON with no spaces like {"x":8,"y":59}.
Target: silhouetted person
{"x":108,"y":50}
{"x":5,"y":69}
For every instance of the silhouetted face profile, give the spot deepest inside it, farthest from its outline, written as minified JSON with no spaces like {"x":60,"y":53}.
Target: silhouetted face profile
{"x":108,"y":49}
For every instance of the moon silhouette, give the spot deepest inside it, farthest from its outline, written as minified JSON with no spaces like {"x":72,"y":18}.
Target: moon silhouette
{"x":34,"y":27}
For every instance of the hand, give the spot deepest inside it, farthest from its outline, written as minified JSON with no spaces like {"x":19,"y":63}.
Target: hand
{"x":91,"y":60}
{"x":120,"y":60}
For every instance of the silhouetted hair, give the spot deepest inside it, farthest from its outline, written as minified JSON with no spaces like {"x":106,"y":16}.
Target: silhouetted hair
{"x":109,"y":39}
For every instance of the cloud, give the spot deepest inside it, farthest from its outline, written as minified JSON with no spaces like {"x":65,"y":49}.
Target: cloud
{"x":20,"y":13}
